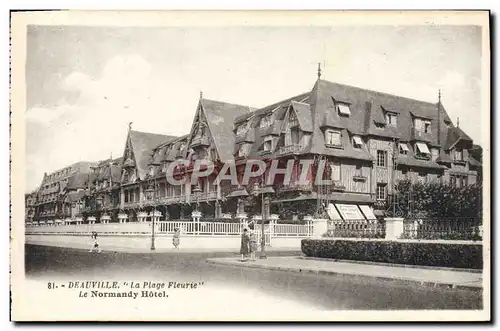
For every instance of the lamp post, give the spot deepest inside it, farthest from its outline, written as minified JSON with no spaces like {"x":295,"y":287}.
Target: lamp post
{"x":150,"y":194}
{"x":196,"y":192}
{"x":261,"y":190}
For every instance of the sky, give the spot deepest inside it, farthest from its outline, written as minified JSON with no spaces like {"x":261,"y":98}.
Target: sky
{"x":85,"y":84}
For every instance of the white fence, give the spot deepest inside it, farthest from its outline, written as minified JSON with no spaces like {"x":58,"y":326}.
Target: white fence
{"x":203,"y":228}
{"x":297,"y":230}
{"x":132,"y":227}
{"x":186,"y":228}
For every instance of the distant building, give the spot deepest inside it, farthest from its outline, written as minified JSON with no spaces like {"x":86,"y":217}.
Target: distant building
{"x":52,"y":196}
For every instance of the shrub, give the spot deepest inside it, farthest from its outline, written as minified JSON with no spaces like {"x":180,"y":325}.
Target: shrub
{"x":397,"y":252}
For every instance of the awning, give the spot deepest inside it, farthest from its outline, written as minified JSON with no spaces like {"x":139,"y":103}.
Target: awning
{"x":404,"y":147}
{"x":368,"y":212}
{"x":357,"y":140}
{"x":332,"y":212}
{"x":344,"y":109}
{"x":350,"y":212}
{"x":423,"y":148}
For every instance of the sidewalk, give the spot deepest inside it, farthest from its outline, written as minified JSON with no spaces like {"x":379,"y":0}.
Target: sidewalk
{"x":420,"y":276}
{"x":121,"y":249}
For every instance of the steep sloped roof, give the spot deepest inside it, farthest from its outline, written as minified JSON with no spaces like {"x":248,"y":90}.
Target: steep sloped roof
{"x":143,"y":144}
{"x":267,"y":109}
{"x":328,"y":93}
{"x":304,"y":117}
{"x":78,"y":180}
{"x":454,"y":135}
{"x":220,"y":117}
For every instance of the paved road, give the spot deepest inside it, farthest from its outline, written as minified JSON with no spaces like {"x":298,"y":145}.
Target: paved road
{"x":318,"y":291}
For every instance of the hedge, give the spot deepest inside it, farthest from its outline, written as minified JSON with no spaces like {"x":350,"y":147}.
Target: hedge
{"x":468,"y":256}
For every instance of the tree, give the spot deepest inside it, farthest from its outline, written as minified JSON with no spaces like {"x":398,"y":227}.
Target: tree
{"x":439,"y":200}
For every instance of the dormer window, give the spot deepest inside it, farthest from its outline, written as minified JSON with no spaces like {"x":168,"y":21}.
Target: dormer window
{"x":332,"y":138}
{"x":241,"y":129}
{"x":265,"y":122}
{"x":343,"y":109}
{"x":422,"y":151}
{"x":268,"y":144}
{"x":357,"y":142}
{"x":422,"y":125}
{"x":403,"y":149}
{"x":391,"y":119}
{"x":244,"y":149}
{"x":458,"y":155}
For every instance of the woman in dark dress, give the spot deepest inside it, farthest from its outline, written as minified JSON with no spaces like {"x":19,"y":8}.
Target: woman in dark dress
{"x":245,"y":243}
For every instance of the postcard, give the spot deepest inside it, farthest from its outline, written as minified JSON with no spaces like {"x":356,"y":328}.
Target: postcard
{"x":250,"y":166}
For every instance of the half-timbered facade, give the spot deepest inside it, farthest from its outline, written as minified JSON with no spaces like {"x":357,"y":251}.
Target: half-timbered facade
{"x":362,"y":141}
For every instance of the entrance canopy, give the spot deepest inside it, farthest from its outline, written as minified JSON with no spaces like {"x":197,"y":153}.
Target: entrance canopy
{"x":349,"y":212}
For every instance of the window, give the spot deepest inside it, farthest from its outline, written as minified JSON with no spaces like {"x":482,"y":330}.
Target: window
{"x":422,"y":177}
{"x":381,"y":191}
{"x":459,"y":155}
{"x":265,"y":122}
{"x":381,"y":158}
{"x":335,"y":169}
{"x":344,"y":109}
{"x":294,"y":133}
{"x":243,"y":150}
{"x":427,"y":127}
{"x":241,"y":129}
{"x":359,"y":170}
{"x":391,"y":119}
{"x":403,"y":149}
{"x":404,"y":173}
{"x":268,"y":144}
{"x":332,"y":138}
{"x":357,"y":142}
{"x":422,"y":151}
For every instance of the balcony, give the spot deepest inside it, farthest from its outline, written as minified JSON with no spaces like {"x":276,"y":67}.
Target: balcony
{"x":204,"y":196}
{"x":421,"y":135}
{"x":200,"y":142}
{"x":132,"y":205}
{"x":295,"y":187}
{"x":290,"y":149}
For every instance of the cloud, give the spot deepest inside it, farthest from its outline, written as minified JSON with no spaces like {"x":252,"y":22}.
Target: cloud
{"x":92,"y":128}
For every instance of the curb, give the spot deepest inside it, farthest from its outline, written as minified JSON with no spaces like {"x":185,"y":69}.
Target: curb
{"x":385,"y":264}
{"x":331,"y":273}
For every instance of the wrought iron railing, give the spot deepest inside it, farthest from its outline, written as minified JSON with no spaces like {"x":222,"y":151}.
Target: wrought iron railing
{"x":290,"y":149}
{"x":443,"y":228}
{"x":356,"y":228}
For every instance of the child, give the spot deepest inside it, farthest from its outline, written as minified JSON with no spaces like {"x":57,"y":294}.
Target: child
{"x":96,"y":243}
{"x":177,"y":238}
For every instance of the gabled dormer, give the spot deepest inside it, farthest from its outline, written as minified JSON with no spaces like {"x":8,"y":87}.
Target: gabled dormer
{"x":421,"y":129}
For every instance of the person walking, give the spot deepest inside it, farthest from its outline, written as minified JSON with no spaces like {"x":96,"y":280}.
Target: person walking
{"x":252,"y":242}
{"x":176,"y":240}
{"x":245,"y":241}
{"x":95,"y":245}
